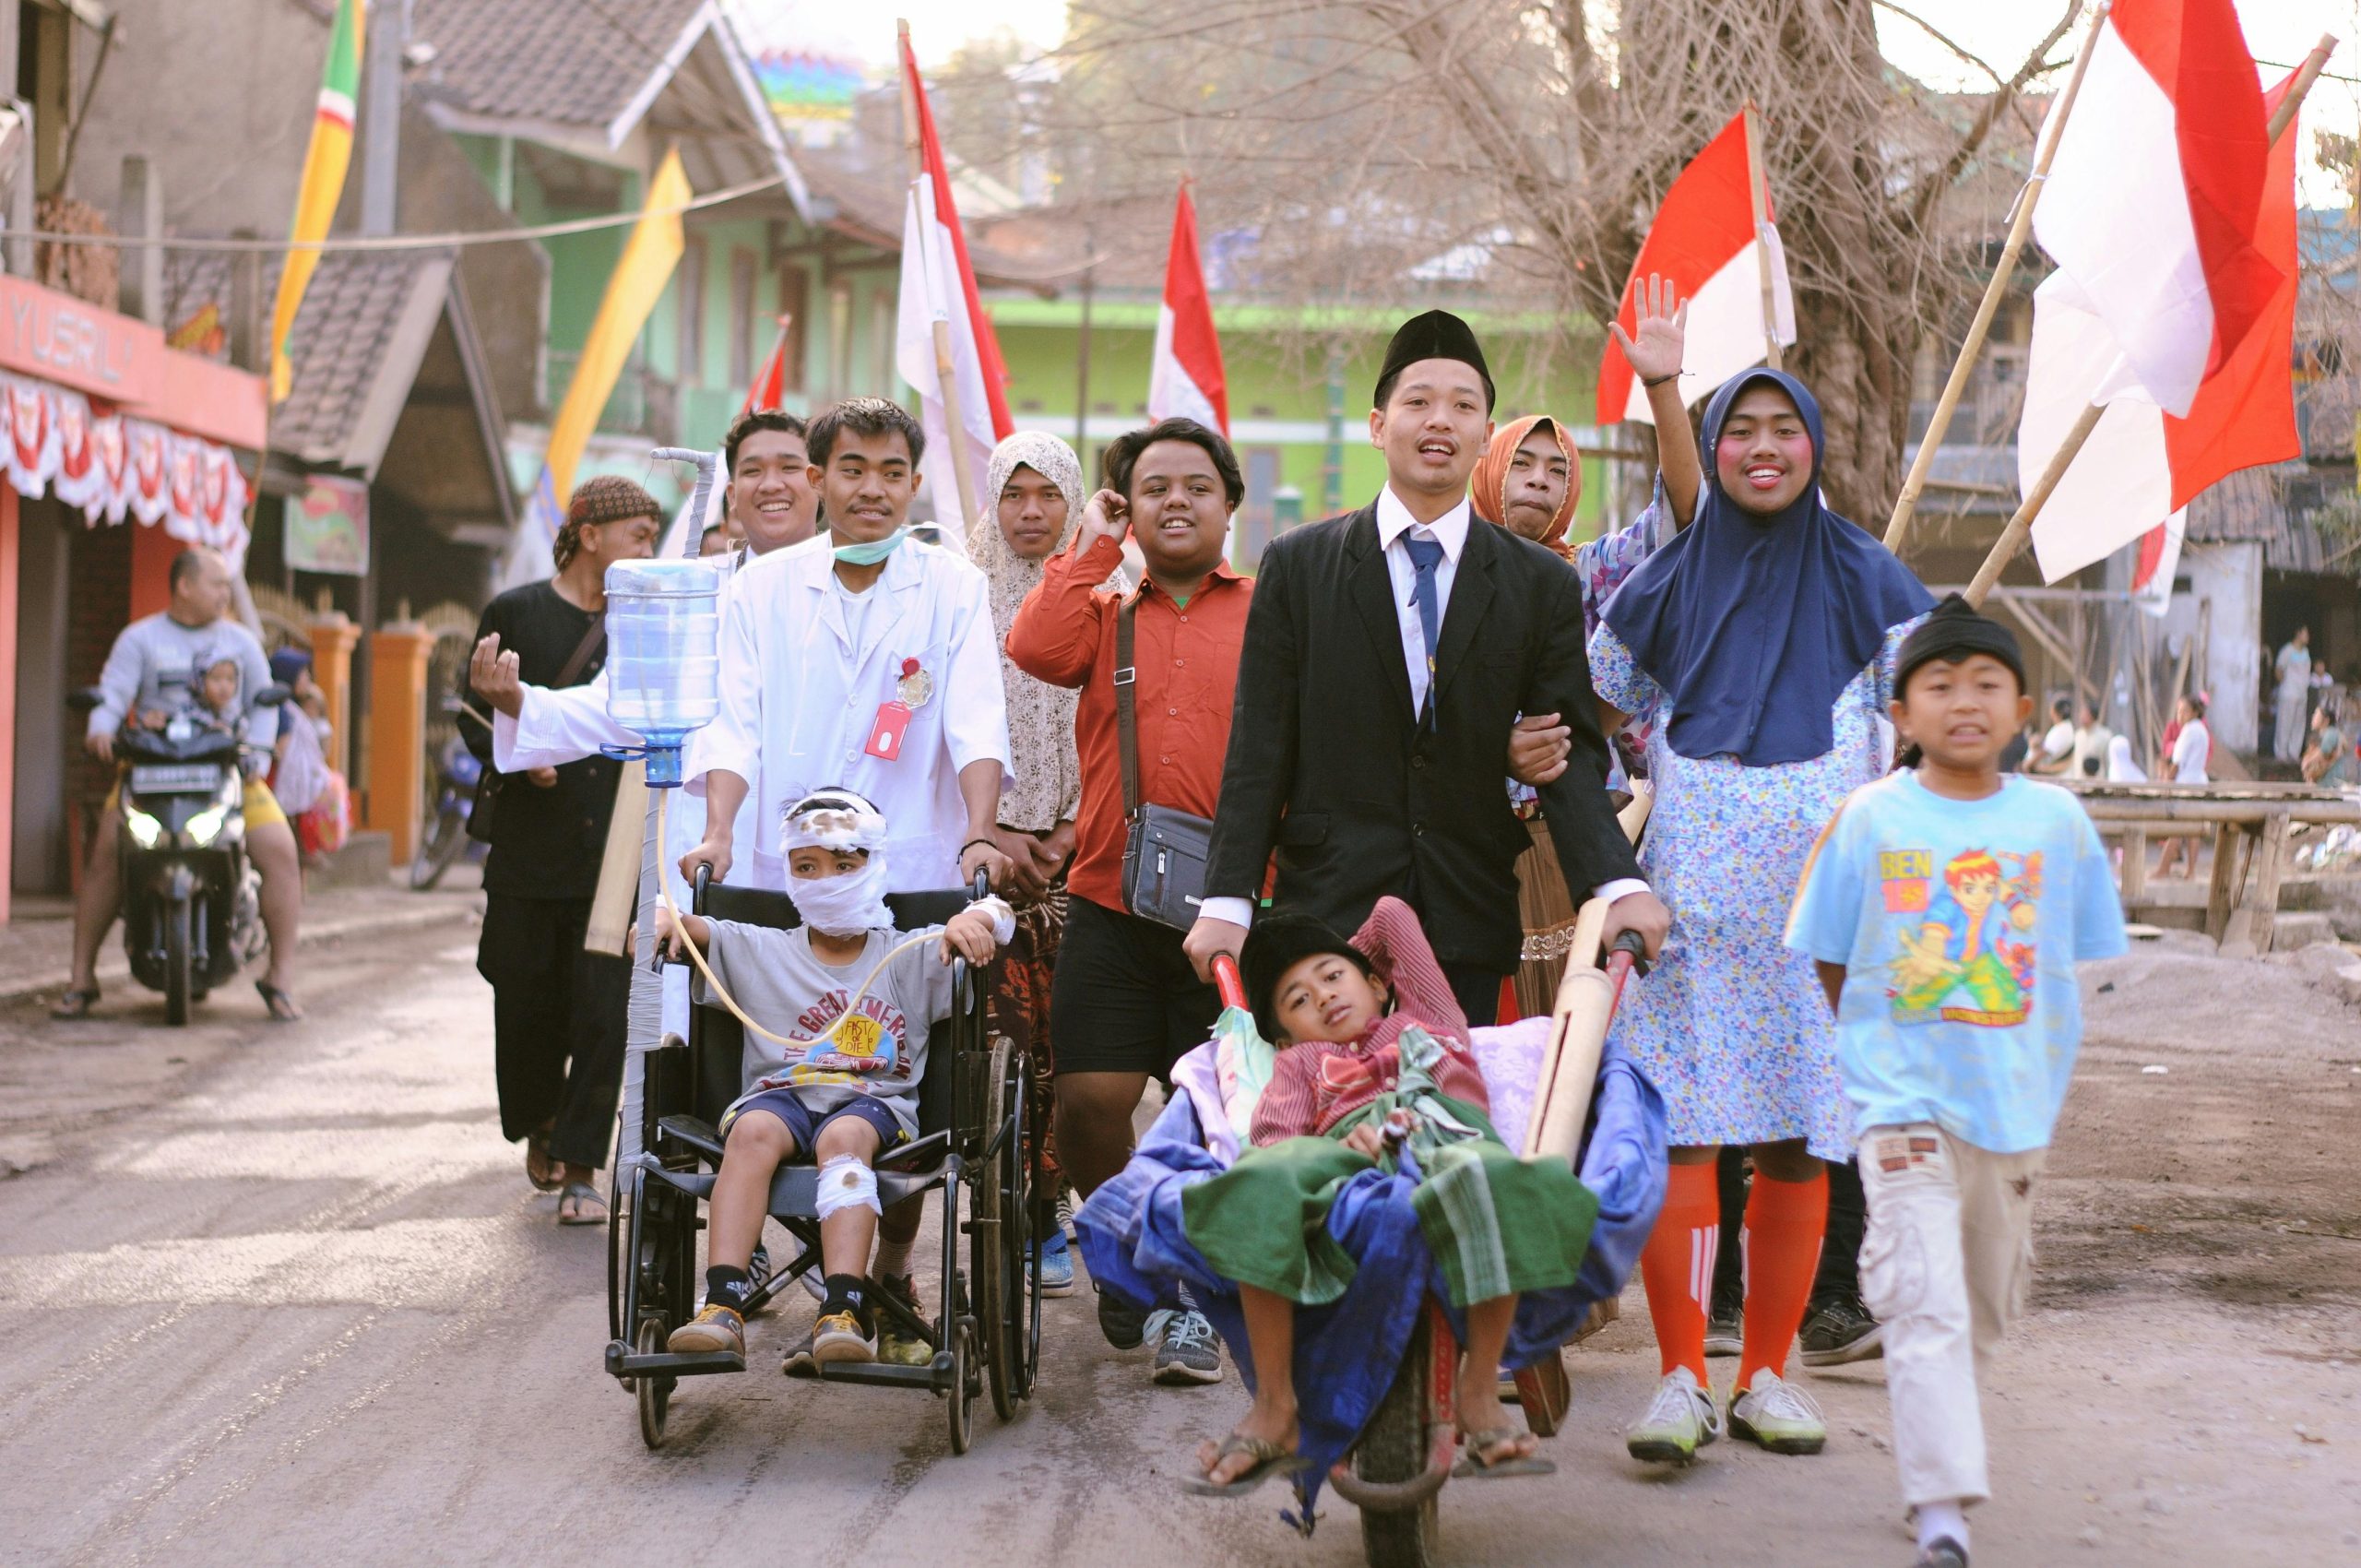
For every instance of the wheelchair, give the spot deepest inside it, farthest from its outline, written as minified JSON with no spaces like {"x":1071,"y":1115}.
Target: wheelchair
{"x":986,"y":1330}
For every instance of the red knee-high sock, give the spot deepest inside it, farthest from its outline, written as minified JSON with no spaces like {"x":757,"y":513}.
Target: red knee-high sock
{"x":1784,"y":1222}
{"x":1677,"y":1264}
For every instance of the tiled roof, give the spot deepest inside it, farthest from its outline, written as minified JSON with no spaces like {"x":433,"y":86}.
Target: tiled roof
{"x":569,"y":62}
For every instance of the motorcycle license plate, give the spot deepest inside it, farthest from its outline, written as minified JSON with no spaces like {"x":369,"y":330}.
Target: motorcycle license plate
{"x":175,"y":779}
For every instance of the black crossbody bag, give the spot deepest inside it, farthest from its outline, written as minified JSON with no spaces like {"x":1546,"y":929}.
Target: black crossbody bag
{"x":486,"y":810}
{"x":1164,"y":850}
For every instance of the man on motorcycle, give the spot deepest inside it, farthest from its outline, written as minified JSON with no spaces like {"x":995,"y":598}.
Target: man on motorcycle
{"x":156,"y":664}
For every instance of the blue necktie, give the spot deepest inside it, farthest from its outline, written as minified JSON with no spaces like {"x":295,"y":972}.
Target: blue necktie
{"x":1426,"y":554}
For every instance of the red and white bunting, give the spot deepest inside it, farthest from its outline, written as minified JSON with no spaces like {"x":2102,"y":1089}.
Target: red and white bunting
{"x":109,"y":467}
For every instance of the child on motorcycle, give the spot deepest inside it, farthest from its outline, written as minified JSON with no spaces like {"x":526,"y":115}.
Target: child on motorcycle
{"x":845,"y":1094}
{"x":1374,"y":1055}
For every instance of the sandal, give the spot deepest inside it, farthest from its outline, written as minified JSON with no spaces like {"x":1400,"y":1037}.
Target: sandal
{"x":280,"y":1002}
{"x":1475,"y":1464}
{"x":581,"y":1194}
{"x":542,"y":1170}
{"x":75,"y":1005}
{"x":1270,"y":1459}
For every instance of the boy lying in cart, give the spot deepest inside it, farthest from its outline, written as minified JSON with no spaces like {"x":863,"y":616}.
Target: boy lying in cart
{"x":855,"y":999}
{"x":1375,"y":1071}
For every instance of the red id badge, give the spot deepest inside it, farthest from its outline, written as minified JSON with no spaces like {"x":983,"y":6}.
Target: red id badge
{"x":885,"y":731}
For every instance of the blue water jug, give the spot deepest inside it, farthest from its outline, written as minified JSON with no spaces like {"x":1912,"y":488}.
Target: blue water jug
{"x":663,"y":676}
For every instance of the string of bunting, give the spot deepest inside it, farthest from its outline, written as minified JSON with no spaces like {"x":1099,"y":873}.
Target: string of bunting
{"x":110,"y":467}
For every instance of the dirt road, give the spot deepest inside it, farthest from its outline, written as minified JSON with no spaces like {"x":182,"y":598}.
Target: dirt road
{"x":283,"y":1296}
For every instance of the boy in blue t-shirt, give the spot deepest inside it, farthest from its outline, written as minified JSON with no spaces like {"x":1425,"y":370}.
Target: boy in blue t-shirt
{"x":1946,"y":908}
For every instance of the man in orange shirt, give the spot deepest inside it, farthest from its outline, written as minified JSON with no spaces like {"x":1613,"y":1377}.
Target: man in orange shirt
{"x":1125,"y":1004}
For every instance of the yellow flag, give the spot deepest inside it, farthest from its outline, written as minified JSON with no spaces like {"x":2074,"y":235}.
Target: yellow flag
{"x":638,"y":282}
{"x":323,"y":187}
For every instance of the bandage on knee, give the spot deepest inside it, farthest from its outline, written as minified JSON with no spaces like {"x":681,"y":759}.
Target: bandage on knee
{"x":846,"y":1182}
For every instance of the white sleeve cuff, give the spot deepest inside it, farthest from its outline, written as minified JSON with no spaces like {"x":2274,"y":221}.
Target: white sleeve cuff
{"x":1235,"y":912}
{"x":504,"y":743}
{"x":1622,"y":887}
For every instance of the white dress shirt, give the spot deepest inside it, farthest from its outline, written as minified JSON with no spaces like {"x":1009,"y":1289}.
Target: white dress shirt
{"x":1396,"y":524}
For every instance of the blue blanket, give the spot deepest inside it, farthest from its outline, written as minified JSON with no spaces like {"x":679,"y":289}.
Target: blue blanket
{"x":1348,"y":1352}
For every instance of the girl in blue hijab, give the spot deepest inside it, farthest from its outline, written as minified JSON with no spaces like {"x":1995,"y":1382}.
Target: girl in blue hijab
{"x":1760,"y":644}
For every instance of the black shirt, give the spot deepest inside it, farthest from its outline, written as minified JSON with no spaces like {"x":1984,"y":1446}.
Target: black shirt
{"x":545,"y":843}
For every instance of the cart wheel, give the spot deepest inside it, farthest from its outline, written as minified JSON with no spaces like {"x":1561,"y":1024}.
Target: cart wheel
{"x":654,"y":1393}
{"x":993,"y":1231}
{"x":1394,"y":1448}
{"x":962,"y":1340}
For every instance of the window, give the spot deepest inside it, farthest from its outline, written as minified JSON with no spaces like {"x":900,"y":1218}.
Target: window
{"x":692,"y":302}
{"x":795,"y":303}
{"x":741,"y":319}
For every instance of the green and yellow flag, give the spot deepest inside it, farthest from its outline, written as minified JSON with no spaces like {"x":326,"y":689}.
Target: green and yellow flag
{"x":323,"y":187}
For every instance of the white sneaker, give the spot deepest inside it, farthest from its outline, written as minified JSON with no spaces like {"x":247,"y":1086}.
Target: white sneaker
{"x":1680,"y":1419}
{"x":1779,"y":1416}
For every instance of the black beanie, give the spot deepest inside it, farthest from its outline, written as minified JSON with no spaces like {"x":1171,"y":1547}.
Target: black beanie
{"x":1437,"y":335}
{"x":1276,"y":944}
{"x":1952,"y":633}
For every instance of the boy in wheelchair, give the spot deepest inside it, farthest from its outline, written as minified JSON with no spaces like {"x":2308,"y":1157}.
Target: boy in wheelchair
{"x":1374,"y":1055}
{"x":861,"y":998}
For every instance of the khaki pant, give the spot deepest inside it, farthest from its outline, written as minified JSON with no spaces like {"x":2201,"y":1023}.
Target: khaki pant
{"x":1945,"y":1267}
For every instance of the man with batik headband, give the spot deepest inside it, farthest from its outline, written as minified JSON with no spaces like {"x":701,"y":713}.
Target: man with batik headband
{"x":557,"y":1011}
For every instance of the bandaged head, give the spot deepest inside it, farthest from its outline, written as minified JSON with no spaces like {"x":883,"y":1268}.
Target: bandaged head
{"x":842,"y":822}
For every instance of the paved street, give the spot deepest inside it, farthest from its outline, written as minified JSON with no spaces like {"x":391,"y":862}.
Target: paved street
{"x":281,"y":1295}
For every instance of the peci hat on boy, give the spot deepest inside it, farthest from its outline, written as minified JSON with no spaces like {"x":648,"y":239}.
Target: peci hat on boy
{"x":1276,"y":944}
{"x":1951,"y":632}
{"x":1437,"y":335}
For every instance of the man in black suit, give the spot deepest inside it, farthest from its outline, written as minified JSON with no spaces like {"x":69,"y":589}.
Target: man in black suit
{"x":1385,"y":653}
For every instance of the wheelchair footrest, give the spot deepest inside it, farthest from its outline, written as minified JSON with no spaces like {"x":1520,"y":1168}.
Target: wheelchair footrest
{"x":623,"y":1362}
{"x":882,"y":1375}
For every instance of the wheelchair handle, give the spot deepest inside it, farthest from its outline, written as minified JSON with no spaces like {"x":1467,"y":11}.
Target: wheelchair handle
{"x":1226,"y":980}
{"x":1629,"y":955}
{"x":703,"y":880}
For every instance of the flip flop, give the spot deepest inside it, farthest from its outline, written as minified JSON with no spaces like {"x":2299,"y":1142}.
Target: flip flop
{"x":1475,"y":1465}
{"x":580,"y":1194}
{"x":75,"y":1005}
{"x":280,"y":1004}
{"x":1270,"y":1459}
{"x":537,"y":1157}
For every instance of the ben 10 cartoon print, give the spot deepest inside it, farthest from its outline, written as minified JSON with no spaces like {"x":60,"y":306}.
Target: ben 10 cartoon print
{"x":1966,"y":937}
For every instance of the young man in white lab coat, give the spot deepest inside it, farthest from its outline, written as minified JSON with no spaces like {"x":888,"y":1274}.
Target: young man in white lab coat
{"x":864,"y":660}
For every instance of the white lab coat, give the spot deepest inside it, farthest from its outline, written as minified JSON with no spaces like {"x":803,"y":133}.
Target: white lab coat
{"x":798,"y":703}
{"x":567,"y":724}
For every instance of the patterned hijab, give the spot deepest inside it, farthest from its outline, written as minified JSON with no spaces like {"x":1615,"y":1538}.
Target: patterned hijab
{"x":1489,"y":485}
{"x":1047,"y":786}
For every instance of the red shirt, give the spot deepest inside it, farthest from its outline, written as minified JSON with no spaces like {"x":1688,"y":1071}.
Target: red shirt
{"x":1186,"y":658}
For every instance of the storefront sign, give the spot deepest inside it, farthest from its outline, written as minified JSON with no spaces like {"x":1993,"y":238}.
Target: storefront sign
{"x":329,"y":529}
{"x":60,"y":338}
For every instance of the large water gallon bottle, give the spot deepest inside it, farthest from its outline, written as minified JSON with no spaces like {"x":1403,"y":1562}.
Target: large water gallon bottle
{"x":663,"y":629}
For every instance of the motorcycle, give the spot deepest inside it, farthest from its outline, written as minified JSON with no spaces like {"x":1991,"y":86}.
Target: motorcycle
{"x":192,"y":899}
{"x":445,"y":837}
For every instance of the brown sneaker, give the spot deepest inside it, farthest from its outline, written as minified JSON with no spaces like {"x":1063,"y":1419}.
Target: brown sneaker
{"x":839,"y":1336}
{"x":715,"y":1328}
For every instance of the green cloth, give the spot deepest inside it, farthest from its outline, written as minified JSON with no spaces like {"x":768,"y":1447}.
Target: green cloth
{"x":1498,"y":1225}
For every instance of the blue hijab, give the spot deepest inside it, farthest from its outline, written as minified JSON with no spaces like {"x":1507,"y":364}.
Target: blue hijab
{"x":1754,"y":625}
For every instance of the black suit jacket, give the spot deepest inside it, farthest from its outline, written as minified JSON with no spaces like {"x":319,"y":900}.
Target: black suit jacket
{"x":545,"y":843}
{"x":1328,"y":766}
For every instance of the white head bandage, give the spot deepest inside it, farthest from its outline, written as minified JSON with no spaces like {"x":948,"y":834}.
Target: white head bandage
{"x":840,"y":821}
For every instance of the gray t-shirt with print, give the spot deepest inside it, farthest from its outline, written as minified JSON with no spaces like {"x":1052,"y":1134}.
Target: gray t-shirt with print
{"x":782,"y":984}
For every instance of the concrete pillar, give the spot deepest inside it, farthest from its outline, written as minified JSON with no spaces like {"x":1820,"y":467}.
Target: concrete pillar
{"x":399,"y":652}
{"x":332,"y":639}
{"x":9,"y":530}
{"x":140,"y":210}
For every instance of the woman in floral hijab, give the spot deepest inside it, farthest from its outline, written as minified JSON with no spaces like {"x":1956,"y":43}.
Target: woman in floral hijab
{"x":1033,"y":489}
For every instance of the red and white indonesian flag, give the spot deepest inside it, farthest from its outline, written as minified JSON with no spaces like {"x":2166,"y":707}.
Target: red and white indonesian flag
{"x":938,"y":285}
{"x":2173,"y":225}
{"x":1186,"y":379}
{"x":1705,"y":241}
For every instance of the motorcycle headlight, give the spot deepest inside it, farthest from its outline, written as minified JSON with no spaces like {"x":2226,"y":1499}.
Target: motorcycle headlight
{"x":204,"y":825}
{"x":145,"y":830}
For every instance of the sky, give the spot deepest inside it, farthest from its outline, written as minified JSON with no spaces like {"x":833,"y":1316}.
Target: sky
{"x":1999,"y":31}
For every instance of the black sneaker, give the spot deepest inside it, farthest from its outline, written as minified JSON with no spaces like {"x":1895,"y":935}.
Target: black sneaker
{"x":1838,"y":1330}
{"x":1125,"y":1325}
{"x":1725,"y":1325}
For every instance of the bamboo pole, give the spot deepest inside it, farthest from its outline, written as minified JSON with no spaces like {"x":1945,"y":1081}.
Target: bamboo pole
{"x":1906,"y":505}
{"x":946,"y":364}
{"x":1758,"y":188}
{"x":2012,"y":538}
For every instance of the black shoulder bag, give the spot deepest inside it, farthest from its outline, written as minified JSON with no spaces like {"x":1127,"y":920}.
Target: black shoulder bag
{"x":486,"y":810}
{"x":1164,"y":850}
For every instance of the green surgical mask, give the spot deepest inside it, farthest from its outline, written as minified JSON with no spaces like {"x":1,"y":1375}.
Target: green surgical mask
{"x":871,"y":551}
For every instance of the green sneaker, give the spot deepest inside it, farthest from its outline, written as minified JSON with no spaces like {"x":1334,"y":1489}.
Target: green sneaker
{"x":896,"y":1346}
{"x":1680,"y":1419}
{"x":1780,"y":1417}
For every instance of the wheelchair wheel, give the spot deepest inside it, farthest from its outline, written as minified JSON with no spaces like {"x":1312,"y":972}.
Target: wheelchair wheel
{"x":1024,"y":1302}
{"x":1394,"y":1448}
{"x":997,"y":1222}
{"x":964,"y":1381}
{"x":654,"y":1393}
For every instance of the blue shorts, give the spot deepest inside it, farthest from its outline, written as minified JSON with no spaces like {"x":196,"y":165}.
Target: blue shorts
{"x":804,"y":1126}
